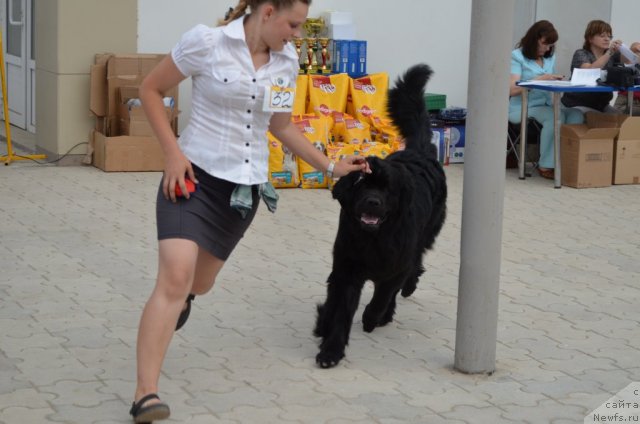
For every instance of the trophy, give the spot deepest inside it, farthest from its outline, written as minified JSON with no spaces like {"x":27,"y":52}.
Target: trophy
{"x":312,"y":51}
{"x":313,"y":28}
{"x":301,"y":62}
{"x":325,"y":68}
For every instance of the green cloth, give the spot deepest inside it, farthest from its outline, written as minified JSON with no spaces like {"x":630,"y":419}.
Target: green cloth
{"x":242,"y":198}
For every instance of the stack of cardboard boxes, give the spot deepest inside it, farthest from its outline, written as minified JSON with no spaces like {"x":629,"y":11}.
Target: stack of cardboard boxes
{"x":605,"y":150}
{"x":122,"y":138}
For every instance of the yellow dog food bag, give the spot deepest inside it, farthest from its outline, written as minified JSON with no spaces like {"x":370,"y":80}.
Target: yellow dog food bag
{"x":328,"y":93}
{"x":317,"y":132}
{"x":353,"y":131}
{"x":336,"y":152}
{"x":380,"y":150}
{"x":369,"y":96}
{"x":302,"y":95}
{"x":283,"y":164}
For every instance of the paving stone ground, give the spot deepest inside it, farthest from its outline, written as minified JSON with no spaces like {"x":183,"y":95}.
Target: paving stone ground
{"x":78,"y":260}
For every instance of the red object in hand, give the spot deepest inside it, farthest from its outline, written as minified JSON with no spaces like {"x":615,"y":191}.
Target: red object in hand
{"x":191,"y":187}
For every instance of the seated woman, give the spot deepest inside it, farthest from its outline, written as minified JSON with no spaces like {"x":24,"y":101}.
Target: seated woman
{"x":599,"y":52}
{"x":534,"y":59}
{"x":622,"y":102}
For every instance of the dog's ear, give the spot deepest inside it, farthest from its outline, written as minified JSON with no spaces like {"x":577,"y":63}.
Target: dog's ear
{"x":343,"y":189}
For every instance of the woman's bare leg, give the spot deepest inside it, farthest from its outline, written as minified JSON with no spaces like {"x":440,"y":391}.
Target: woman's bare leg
{"x":183,"y":268}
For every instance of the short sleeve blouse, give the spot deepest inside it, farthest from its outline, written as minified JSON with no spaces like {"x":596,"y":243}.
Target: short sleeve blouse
{"x":227,"y":132}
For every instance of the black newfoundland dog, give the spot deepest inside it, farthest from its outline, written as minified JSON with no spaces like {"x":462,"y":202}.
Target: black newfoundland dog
{"x":388,"y":219}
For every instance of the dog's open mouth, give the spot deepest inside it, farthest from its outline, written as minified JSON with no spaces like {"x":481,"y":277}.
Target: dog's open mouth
{"x":370,"y":221}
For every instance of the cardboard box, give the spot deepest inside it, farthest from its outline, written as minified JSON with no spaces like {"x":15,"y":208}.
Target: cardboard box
{"x":126,"y":153}
{"x":108,"y":74}
{"x":133,"y":119}
{"x":626,"y":156}
{"x":111,"y":150}
{"x":586,"y":154}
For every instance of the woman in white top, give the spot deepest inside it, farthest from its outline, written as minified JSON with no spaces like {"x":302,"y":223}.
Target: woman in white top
{"x":224,"y":150}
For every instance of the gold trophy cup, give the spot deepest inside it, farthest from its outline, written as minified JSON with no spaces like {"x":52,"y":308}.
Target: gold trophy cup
{"x":313,"y":27}
{"x":325,"y":67}
{"x":298,"y":43}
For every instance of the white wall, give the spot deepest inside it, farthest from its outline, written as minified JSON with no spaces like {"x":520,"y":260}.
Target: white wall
{"x":403,"y":32}
{"x":625,"y":20}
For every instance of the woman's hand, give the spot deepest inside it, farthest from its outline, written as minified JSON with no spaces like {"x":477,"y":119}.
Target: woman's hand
{"x":615,"y":46}
{"x":550,"y":77}
{"x":176,"y":167}
{"x":351,"y":164}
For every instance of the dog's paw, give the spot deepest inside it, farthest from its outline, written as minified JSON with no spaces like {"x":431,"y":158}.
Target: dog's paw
{"x":408,"y":290}
{"x":328,"y":359}
{"x":369,"y":321}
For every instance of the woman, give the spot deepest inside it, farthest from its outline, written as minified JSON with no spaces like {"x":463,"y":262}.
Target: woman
{"x":597,"y":52}
{"x":224,"y":150}
{"x":534,"y":59}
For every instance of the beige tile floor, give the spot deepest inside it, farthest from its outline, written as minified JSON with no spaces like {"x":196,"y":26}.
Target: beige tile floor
{"x":78,"y":259}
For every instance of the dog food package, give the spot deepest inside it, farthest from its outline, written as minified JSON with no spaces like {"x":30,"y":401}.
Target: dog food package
{"x":369,"y":96}
{"x":338,"y":126}
{"x":283,"y":164}
{"x":328,"y":93}
{"x":302,"y":95}
{"x":316,"y":131}
{"x":327,"y":121}
{"x":335,"y":152}
{"x":381,"y":150}
{"x":353,"y":131}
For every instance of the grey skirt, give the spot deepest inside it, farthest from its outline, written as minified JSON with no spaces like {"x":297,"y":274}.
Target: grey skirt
{"x":206,"y":217}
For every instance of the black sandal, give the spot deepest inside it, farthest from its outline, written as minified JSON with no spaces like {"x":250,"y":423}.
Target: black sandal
{"x":184,"y":315}
{"x":147,"y":414}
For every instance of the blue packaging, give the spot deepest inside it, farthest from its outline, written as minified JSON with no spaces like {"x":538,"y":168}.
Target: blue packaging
{"x":357,"y":65}
{"x":440,"y":138}
{"x":340,"y":61}
{"x":457,"y":130}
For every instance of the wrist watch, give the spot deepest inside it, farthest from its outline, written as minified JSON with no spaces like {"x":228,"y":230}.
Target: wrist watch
{"x":330,"y":168}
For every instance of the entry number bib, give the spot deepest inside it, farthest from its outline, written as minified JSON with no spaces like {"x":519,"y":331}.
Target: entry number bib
{"x":279,"y":99}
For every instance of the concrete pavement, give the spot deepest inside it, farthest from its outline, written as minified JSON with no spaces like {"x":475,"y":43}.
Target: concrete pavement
{"x":78,"y":260}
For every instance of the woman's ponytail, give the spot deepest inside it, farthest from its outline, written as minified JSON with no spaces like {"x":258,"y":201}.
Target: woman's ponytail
{"x":234,"y":13}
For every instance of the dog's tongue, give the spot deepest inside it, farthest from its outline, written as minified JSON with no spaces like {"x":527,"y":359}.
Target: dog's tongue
{"x":369,"y":219}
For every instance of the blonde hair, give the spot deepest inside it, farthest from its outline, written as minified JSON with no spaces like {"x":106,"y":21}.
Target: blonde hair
{"x":241,"y":8}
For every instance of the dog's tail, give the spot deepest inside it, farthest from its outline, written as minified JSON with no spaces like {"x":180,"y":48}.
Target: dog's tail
{"x":407,"y":108}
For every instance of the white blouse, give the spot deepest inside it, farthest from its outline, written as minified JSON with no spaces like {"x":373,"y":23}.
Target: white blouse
{"x":226,"y":135}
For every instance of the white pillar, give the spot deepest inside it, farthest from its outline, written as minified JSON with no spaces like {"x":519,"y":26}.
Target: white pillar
{"x":483,"y":189}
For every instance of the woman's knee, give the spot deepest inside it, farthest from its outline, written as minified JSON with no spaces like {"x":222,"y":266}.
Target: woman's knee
{"x":177,"y":267}
{"x":573,"y":116}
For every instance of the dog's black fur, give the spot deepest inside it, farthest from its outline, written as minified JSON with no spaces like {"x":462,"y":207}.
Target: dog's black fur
{"x":388,"y":219}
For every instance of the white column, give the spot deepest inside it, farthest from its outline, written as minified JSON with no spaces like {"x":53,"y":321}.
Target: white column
{"x":483,"y":189}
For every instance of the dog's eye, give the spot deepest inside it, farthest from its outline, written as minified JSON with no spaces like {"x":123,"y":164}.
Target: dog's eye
{"x":360,"y":178}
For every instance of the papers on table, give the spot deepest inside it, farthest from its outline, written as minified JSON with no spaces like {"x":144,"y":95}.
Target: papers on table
{"x":548,"y":83}
{"x":579,"y":78}
{"x":587,"y":77}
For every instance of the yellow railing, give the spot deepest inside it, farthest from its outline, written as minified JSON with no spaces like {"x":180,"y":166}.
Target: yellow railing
{"x":10,"y":156}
